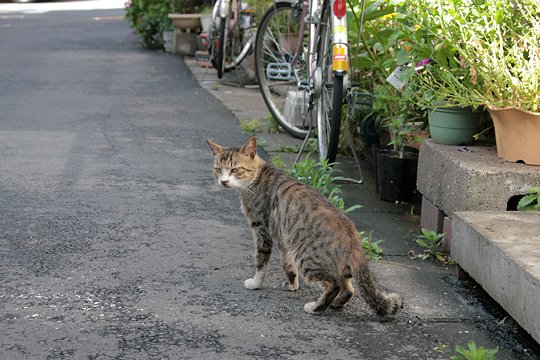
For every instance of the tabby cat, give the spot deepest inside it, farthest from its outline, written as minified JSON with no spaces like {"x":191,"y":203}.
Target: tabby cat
{"x":314,"y":238}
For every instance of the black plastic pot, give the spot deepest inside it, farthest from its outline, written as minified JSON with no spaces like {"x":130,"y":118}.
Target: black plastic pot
{"x":396,"y":177}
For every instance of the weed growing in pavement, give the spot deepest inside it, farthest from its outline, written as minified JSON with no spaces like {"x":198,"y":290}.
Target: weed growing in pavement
{"x":371,"y":247}
{"x":278,"y":162}
{"x":441,"y":348}
{"x":215,"y":87}
{"x":288,"y":148}
{"x":260,"y":141}
{"x":430,"y":241}
{"x":251,"y":127}
{"x":474,"y":353}
{"x":319,"y":175}
{"x":273,"y":125}
{"x":311,"y":145}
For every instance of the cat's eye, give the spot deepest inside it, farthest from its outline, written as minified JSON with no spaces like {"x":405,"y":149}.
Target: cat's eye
{"x":234,"y":170}
{"x":217,"y":169}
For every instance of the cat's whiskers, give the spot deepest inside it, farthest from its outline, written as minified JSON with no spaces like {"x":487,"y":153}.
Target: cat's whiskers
{"x":245,"y":188}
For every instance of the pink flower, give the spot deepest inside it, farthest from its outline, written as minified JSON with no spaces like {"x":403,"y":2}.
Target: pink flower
{"x":421,"y":64}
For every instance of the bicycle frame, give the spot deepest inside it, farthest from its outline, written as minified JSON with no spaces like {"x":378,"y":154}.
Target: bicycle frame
{"x":340,"y":63}
{"x":340,"y":47}
{"x":306,"y":83}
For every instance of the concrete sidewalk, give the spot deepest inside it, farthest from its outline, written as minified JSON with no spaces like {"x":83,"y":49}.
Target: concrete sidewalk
{"x":445,"y":310}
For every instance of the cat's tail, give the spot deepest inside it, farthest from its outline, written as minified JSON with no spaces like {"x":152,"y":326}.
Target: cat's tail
{"x":382,"y":303}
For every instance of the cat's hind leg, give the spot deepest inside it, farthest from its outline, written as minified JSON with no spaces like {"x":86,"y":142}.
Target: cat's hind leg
{"x":330,"y":291}
{"x":291,"y":273}
{"x":346,"y":293}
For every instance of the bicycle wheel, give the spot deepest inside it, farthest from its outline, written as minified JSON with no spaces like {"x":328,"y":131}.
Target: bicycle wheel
{"x":216,"y":47}
{"x":280,"y":65}
{"x":330,"y":101}
{"x":222,"y":36}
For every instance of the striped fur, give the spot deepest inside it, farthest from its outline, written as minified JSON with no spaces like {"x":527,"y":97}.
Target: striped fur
{"x":314,"y":238}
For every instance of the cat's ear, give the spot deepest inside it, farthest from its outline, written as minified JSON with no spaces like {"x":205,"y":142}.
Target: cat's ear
{"x":250,"y":148}
{"x":216,"y":148}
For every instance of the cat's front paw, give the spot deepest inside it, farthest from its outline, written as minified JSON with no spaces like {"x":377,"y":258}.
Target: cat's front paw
{"x":252,"y":284}
{"x":288,"y":286}
{"x":310,"y":308}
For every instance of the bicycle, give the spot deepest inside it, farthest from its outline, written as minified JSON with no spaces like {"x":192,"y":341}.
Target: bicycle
{"x":231,"y":35}
{"x":302,"y":65}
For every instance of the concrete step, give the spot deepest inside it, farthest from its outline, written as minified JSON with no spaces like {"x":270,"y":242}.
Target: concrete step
{"x":501,"y":251}
{"x":457,"y":178}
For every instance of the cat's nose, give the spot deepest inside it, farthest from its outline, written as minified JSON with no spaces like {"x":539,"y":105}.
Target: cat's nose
{"x":225,"y":183}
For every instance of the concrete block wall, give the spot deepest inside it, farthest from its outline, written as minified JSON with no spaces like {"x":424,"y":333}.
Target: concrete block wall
{"x":456,"y":178}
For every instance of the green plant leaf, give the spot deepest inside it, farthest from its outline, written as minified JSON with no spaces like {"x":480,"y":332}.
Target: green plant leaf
{"x":526,"y":201}
{"x":422,"y":243}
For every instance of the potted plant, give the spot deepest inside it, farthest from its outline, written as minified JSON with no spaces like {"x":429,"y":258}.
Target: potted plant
{"x":186,"y":14}
{"x":376,"y":55}
{"x":396,"y":163}
{"x":186,"y":18}
{"x":436,"y":69}
{"x":499,"y":66}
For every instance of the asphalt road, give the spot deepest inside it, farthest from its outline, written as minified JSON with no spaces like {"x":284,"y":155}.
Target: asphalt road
{"x":115,"y":243}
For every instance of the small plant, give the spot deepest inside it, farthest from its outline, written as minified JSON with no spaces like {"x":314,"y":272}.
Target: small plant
{"x":317,"y":174}
{"x":371,"y":247}
{"x":288,"y":148}
{"x":474,"y":353}
{"x":441,"y":348}
{"x":273,"y":125}
{"x":531,"y":201}
{"x":311,"y":145}
{"x":278,"y":162}
{"x":261,"y":141}
{"x":215,"y":87}
{"x":430,"y":241}
{"x":251,"y":127}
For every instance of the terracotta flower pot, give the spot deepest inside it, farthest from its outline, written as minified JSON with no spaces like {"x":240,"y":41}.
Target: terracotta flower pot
{"x":517,"y":134}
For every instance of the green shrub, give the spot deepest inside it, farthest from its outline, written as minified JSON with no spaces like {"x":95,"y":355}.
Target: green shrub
{"x":149,"y":18}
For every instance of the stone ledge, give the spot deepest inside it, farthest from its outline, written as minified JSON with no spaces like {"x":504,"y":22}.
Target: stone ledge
{"x":457,"y":178}
{"x":501,"y":251}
